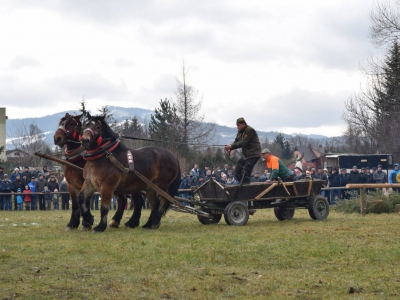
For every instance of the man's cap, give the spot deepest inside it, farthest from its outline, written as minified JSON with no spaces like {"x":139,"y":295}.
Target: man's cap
{"x":266,"y":150}
{"x":16,"y":169}
{"x":240,"y":121}
{"x":367,"y":168}
{"x":312,"y":169}
{"x":379,"y":166}
{"x":325,"y":169}
{"x":354,"y":167}
{"x":344,"y":170}
{"x":26,"y":167}
{"x":363,"y":168}
{"x":374,"y":168}
{"x":308,"y":168}
{"x":33,"y":177}
{"x":5,"y":175}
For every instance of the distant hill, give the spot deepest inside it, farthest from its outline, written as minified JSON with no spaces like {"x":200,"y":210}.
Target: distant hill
{"x":48,"y":124}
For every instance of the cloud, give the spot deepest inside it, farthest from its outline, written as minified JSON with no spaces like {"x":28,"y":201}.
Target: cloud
{"x":23,"y":61}
{"x":92,"y":85}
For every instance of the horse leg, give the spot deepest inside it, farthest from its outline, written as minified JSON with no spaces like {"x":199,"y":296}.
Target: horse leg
{"x":162,"y":209}
{"x":84,"y":197}
{"x":137,"y":200}
{"x":75,"y":215}
{"x":106,"y":196}
{"x":154,"y":204}
{"x":121,"y":203}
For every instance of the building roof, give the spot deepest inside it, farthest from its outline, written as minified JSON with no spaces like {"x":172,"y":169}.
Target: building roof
{"x":307,"y":152}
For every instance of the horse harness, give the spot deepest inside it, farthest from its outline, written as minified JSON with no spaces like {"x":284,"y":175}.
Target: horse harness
{"x":105,"y":150}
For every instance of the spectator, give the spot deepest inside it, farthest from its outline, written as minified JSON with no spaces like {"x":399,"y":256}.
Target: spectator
{"x":354,"y":178}
{"x":380,"y":176}
{"x":52,"y":184}
{"x":41,"y":183}
{"x":195,"y":170}
{"x":45,"y":171}
{"x":27,"y":197}
{"x":18,"y":184}
{"x":224,"y":178}
{"x":192,"y":179}
{"x":298,"y":174}
{"x":19,"y":199}
{"x":334,"y":181}
{"x":47,"y":198}
{"x":32,"y":188}
{"x":208,"y":175}
{"x":1,"y":179}
{"x":255,"y":178}
{"x":231,"y":180}
{"x":321,"y":176}
{"x":226,"y":169}
{"x":36,"y":172}
{"x":183,"y":186}
{"x":393,"y":175}
{"x":343,"y":180}
{"x":27,"y":174}
{"x":14,"y":174}
{"x":6,"y":187}
{"x":264,"y":176}
{"x":55,"y":199}
{"x":205,"y":171}
{"x":65,"y":196}
{"x":1,"y":173}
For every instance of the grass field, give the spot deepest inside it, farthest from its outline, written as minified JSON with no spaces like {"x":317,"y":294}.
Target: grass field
{"x":346,"y":256}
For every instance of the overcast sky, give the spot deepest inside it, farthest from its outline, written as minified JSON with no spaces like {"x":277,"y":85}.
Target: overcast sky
{"x":287,"y":65}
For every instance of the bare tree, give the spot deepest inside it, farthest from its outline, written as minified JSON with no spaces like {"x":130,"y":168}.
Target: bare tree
{"x":188,"y":106}
{"x":385,"y":27}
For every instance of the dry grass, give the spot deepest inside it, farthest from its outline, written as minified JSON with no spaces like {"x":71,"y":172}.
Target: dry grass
{"x":346,"y":256}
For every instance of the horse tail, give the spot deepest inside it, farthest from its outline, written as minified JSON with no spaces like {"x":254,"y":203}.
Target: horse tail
{"x":174,"y":186}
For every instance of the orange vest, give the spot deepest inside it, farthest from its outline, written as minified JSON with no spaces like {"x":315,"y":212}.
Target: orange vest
{"x":273,"y":162}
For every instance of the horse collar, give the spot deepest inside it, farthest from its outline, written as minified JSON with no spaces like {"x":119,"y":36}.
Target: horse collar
{"x":101,"y":151}
{"x":73,"y":155}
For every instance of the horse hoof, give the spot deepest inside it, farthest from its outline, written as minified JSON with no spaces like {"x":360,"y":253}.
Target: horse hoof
{"x":69,"y":228}
{"x":113,"y":224}
{"x":86,"y":228}
{"x":129,"y":225}
{"x":155,"y":226}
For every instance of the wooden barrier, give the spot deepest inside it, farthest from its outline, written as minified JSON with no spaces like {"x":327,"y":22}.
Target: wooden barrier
{"x":363,"y":192}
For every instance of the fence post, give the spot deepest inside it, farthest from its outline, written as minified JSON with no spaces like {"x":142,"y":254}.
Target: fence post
{"x":363,"y":199}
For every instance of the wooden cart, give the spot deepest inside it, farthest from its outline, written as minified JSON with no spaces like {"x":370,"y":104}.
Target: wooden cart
{"x":237,"y":202}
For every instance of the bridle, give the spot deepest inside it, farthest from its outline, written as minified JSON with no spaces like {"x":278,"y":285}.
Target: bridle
{"x":95,"y":135}
{"x":71,"y":135}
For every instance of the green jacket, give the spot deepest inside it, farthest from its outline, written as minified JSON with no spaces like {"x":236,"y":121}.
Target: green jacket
{"x":247,"y":139}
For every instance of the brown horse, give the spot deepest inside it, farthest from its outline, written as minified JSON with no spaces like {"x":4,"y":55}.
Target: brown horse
{"x":68,"y":133}
{"x":102,"y":147}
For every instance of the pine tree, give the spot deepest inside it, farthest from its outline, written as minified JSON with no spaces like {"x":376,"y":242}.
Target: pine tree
{"x":164,"y":125}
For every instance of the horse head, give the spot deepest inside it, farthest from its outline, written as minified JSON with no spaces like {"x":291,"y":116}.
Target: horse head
{"x":68,"y":130}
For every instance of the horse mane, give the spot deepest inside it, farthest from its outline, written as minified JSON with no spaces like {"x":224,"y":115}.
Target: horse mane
{"x":107,"y":132}
{"x":67,"y":115}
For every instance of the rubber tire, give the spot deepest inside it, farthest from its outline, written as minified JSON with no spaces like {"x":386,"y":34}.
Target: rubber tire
{"x":283,"y":213}
{"x":318,"y":208}
{"x":236,"y":213}
{"x":206,"y":221}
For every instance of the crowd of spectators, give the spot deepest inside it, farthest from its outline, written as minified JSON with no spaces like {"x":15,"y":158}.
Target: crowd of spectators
{"x":33,"y":189}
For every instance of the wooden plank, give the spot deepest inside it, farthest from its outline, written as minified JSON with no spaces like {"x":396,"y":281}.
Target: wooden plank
{"x":265,"y":191}
{"x":295,"y":189}
{"x":309,"y":187}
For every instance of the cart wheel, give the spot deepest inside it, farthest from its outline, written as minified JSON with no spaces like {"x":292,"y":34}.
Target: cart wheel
{"x":206,"y":221}
{"x":236,"y":213}
{"x":318,"y":208}
{"x":283,"y":213}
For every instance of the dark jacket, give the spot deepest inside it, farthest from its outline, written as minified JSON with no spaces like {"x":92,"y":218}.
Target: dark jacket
{"x":40,"y":184}
{"x":63,"y":186}
{"x":52,"y":185}
{"x":355,"y":177}
{"x":334,"y":180}
{"x":18,"y":184}
{"x":28,"y":176}
{"x":247,"y":139}
{"x":380,"y":177}
{"x":321,"y":176}
{"x":6,"y":186}
{"x":343,"y":179}
{"x":369,"y":178}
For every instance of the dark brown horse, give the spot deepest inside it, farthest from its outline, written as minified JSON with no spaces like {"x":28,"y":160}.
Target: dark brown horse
{"x":68,"y":134}
{"x":102,"y":147}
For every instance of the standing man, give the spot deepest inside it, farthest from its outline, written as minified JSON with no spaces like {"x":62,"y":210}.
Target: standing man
{"x":247,"y":139}
{"x":278,"y":167}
